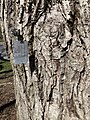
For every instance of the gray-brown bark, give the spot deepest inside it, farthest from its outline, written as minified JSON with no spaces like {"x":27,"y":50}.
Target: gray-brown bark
{"x":55,"y":84}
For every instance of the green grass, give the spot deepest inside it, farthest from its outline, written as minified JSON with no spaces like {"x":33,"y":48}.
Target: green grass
{"x":5,"y":66}
{"x":1,"y":40}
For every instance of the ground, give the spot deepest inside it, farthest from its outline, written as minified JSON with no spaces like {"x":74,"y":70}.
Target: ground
{"x":7,"y":97}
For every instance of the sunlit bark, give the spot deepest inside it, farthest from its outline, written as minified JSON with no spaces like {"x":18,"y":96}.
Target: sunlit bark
{"x":55,"y":83}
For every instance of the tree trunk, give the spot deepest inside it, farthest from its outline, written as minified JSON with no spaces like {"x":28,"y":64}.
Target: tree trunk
{"x":55,"y":83}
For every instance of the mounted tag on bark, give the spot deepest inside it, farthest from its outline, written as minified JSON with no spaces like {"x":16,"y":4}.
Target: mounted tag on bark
{"x":20,"y":50}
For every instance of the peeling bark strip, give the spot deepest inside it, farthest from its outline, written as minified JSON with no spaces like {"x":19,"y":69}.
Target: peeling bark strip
{"x":55,"y":84}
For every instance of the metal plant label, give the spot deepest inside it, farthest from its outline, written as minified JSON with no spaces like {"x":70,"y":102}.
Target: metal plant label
{"x":20,"y":50}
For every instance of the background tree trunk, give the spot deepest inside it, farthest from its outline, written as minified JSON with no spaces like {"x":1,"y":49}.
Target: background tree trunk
{"x":55,"y":83}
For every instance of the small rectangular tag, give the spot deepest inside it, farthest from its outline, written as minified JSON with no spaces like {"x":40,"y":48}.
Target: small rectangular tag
{"x":20,"y":51}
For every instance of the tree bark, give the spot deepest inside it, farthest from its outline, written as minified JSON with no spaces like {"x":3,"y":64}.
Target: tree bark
{"x":55,"y":83}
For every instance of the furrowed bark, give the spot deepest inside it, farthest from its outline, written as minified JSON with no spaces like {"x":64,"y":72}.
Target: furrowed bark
{"x":54,"y":84}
